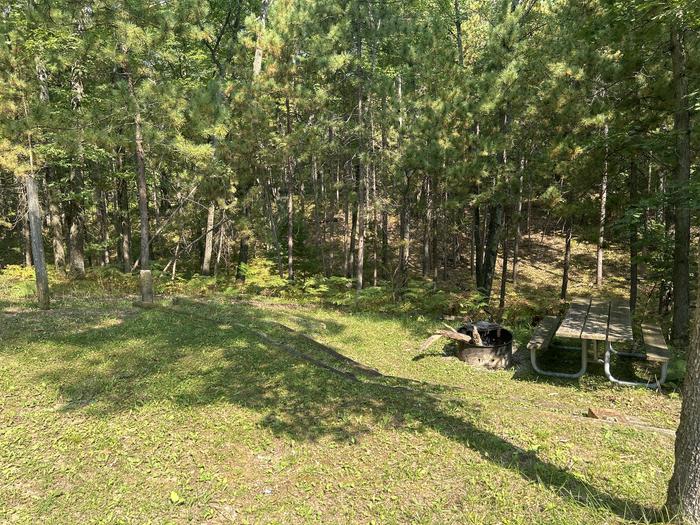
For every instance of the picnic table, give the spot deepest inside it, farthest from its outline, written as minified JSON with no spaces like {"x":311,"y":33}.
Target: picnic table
{"x":596,"y":324}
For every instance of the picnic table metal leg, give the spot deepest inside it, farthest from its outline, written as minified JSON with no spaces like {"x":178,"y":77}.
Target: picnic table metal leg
{"x":608,"y":354}
{"x":596,"y":352}
{"x":536,"y":368}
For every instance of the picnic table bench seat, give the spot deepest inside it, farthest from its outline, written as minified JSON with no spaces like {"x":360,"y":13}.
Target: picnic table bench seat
{"x":654,"y":344}
{"x":543,"y":334}
{"x":655,"y":351}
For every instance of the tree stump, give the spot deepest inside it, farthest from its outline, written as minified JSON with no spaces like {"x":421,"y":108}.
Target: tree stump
{"x":146,"y":282}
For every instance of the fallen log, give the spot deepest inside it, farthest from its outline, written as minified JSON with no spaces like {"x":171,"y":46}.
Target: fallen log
{"x":450,"y":334}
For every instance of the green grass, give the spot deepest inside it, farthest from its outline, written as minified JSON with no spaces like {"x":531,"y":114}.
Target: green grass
{"x":209,"y":410}
{"x":114,"y":414}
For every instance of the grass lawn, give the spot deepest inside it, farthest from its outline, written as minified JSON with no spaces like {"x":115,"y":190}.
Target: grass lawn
{"x":212,"y":411}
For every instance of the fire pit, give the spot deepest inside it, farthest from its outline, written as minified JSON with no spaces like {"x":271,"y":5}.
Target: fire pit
{"x":491,"y":345}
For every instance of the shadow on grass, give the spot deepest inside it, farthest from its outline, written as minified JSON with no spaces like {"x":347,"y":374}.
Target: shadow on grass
{"x":194,"y":355}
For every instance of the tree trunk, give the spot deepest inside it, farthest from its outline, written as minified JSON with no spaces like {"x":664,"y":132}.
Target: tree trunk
{"x":144,"y":256}
{"x":242,"y":267}
{"x":504,"y":267}
{"x":567,"y":261}
{"x":681,"y":252}
{"x":352,"y":263}
{"x":601,"y":216}
{"x":243,"y":249}
{"x":220,"y":249}
{"x":405,"y":233}
{"x":404,"y":214}
{"x":427,"y":225}
{"x":290,"y":200}
{"x":104,"y":226}
{"x":290,"y":222}
{"x":317,"y":213}
{"x":175,"y":257}
{"x":346,"y":232}
{"x":362,"y":223}
{"x":458,"y":32}
{"x":491,"y":251}
{"x":26,"y":241}
{"x":478,"y":245}
{"x":375,"y":226}
{"x":385,"y":243}
{"x":209,"y":239}
{"x":76,"y":227}
{"x":434,"y":237}
{"x":528,"y":222}
{"x":518,"y":221}
{"x":634,"y":241}
{"x":683,"y":498}
{"x":332,"y":218}
{"x":35,"y":216}
{"x":124,"y":223}
{"x":257,"y":59}
{"x":58,"y":235}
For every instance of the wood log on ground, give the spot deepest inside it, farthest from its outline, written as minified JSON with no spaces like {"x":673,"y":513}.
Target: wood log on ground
{"x":450,"y":334}
{"x":429,"y":341}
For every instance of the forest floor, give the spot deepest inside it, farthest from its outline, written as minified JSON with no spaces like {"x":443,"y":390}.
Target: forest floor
{"x":215,"y":410}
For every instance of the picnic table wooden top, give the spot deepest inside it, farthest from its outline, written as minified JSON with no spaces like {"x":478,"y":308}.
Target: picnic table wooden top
{"x":596,"y":320}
